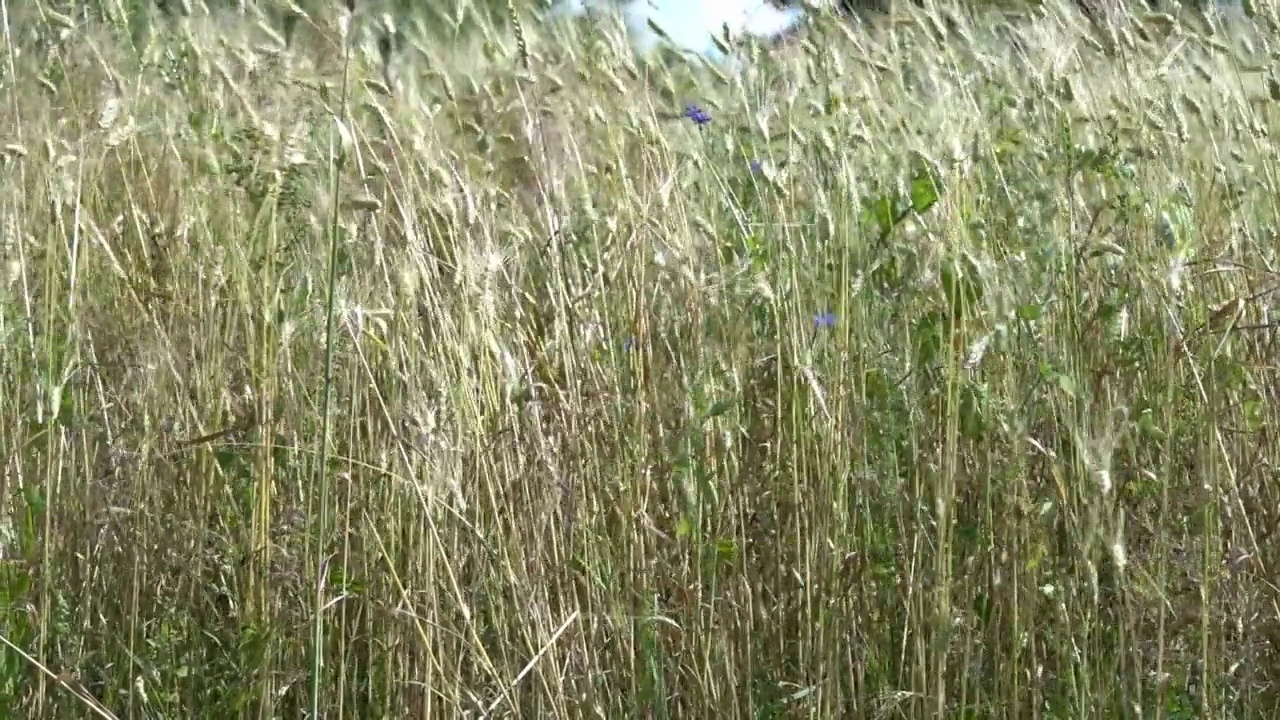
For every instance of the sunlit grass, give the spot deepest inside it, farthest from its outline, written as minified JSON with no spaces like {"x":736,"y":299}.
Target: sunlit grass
{"x":926,"y":370}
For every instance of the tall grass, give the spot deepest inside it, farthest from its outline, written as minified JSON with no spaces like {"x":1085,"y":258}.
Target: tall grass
{"x":923,"y":371}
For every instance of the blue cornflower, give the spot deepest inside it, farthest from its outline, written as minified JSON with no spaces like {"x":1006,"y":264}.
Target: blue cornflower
{"x":697,"y":115}
{"x":756,"y":167}
{"x":826,"y":319}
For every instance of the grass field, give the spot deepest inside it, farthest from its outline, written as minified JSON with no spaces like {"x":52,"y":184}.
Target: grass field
{"x":926,"y":370}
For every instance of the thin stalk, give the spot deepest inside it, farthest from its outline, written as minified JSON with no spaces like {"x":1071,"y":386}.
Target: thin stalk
{"x":336,"y":160}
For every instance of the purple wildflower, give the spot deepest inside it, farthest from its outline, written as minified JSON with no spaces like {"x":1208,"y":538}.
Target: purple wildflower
{"x":825,"y":319}
{"x":697,"y":115}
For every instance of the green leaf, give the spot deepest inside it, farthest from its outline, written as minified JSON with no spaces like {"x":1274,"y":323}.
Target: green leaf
{"x":881,"y":211}
{"x":1147,"y":426}
{"x":928,"y":339}
{"x":719,"y":408}
{"x":725,"y":548}
{"x":1255,"y":416}
{"x":684,"y":527}
{"x":974,"y":405}
{"x":925,"y":191}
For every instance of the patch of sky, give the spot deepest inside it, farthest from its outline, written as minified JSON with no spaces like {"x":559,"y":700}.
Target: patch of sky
{"x":692,"y":26}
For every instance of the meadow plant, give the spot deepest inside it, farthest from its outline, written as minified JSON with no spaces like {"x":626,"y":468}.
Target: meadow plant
{"x":355,"y":368}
